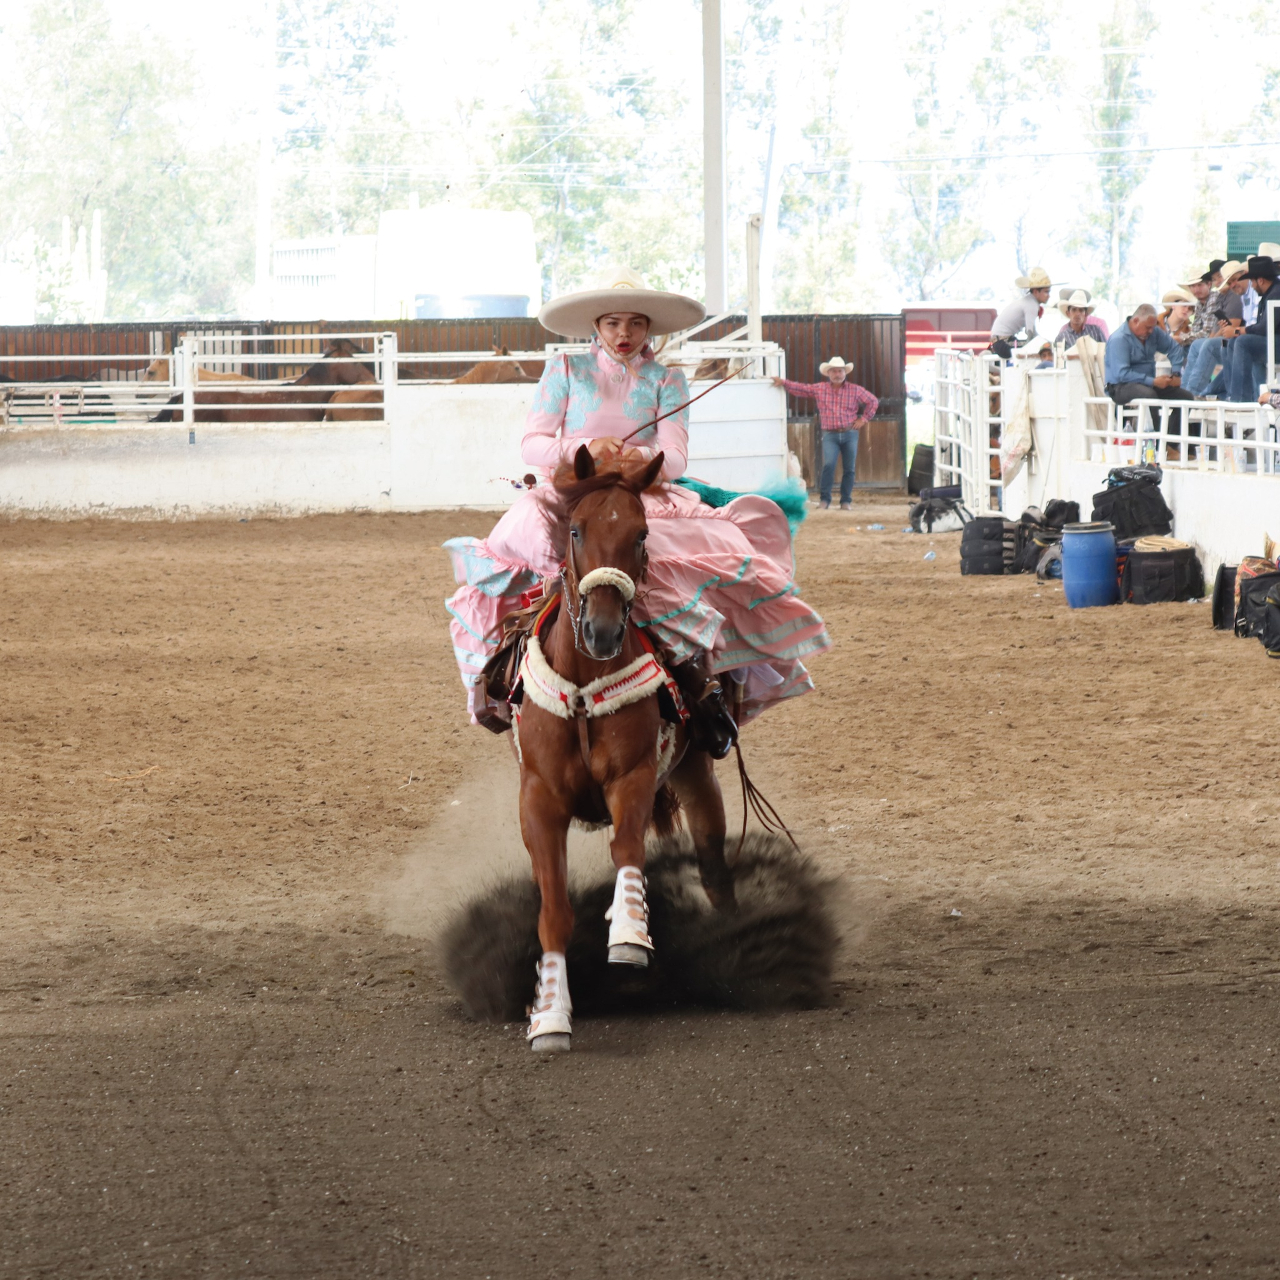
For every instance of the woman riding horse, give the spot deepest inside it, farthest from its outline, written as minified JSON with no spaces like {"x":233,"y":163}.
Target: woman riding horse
{"x":710,"y":589}
{"x":719,"y":599}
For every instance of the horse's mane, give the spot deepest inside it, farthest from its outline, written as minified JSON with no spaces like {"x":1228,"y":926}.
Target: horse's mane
{"x":561,"y":498}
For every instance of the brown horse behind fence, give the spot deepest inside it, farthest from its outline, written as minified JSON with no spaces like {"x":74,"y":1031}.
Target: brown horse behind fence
{"x":591,"y":739}
{"x":339,"y":366}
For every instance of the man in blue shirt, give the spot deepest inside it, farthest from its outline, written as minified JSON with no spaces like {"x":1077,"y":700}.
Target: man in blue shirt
{"x":1131,"y":365}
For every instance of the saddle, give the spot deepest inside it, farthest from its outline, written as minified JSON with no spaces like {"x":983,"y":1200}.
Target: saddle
{"x":500,"y":674}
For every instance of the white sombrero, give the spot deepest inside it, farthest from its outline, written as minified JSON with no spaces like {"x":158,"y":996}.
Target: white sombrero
{"x":1078,"y":299}
{"x":836,"y":362}
{"x":619,"y":289}
{"x":1036,"y":278}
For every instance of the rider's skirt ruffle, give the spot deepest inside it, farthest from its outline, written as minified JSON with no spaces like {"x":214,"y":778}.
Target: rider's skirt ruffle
{"x":720,"y":578}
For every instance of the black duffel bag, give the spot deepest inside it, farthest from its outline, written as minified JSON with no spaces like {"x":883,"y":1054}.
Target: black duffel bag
{"x":1253,"y":597}
{"x":1270,"y":632}
{"x":1160,"y":577}
{"x":1135,"y":509}
{"x":988,"y":545}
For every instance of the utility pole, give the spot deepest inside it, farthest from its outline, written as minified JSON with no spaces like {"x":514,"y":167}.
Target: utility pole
{"x":714,"y":202}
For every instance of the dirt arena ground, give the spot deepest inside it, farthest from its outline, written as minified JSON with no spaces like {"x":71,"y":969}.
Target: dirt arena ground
{"x":239,"y":792}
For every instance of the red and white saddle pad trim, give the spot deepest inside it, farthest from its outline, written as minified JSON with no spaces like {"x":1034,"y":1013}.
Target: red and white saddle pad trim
{"x":637,"y":680}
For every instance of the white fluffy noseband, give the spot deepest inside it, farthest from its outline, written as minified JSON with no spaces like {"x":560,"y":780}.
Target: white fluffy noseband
{"x":608,"y":577}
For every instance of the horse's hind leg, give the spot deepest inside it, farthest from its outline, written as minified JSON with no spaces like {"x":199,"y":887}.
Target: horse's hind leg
{"x":545,"y":829}
{"x":694,"y":781}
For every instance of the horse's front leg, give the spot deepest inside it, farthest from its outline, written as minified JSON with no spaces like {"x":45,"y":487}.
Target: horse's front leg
{"x":694,"y":781}
{"x":630,"y":801}
{"x":544,"y":823}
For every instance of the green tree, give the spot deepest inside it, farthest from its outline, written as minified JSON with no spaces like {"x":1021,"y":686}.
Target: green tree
{"x":345,"y":149}
{"x":1115,"y":120}
{"x":88,"y":122}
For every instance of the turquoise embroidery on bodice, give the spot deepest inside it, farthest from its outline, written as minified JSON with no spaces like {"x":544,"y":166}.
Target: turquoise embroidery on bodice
{"x":584,"y":393}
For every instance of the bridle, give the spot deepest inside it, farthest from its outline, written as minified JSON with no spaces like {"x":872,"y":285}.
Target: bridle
{"x":605,"y":576}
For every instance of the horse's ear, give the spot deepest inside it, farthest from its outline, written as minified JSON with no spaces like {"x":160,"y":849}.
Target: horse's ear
{"x":584,"y":464}
{"x":649,"y":475}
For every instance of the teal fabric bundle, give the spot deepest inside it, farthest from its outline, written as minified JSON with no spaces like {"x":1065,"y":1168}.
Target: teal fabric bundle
{"x":787,"y":491}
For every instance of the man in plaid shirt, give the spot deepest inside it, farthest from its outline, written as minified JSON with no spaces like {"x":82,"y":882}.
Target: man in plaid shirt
{"x":843,"y":410}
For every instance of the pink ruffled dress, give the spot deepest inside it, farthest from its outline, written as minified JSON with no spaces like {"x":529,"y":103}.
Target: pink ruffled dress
{"x":720,"y":578}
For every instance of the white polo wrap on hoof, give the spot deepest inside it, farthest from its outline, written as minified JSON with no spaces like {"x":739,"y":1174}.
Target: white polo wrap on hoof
{"x":552,"y":1013}
{"x":629,"y":916}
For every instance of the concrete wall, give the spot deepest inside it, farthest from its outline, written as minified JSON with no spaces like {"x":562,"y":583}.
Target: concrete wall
{"x":441,"y":446}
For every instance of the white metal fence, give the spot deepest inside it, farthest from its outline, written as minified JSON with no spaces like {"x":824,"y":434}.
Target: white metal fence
{"x":203,"y":374}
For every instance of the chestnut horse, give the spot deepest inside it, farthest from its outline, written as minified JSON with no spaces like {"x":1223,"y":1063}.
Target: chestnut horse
{"x":589,"y":733}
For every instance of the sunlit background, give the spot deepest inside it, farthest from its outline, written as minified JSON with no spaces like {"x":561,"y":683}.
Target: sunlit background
{"x":326,"y":159}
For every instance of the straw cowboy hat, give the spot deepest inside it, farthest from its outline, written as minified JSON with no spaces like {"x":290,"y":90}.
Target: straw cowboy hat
{"x":1232,"y":268}
{"x":1268,"y":250}
{"x":1080,"y":298}
{"x":1178,"y":297}
{"x":619,"y":289}
{"x":1036,"y":278}
{"x":836,"y":362}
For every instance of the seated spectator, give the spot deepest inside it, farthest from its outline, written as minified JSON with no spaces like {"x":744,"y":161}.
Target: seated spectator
{"x":1078,"y":310}
{"x":1022,"y":315}
{"x":1065,"y":295}
{"x":1204,"y":353}
{"x":1175,"y":319}
{"x":1131,"y":364}
{"x":1229,"y":309}
{"x":1249,"y":350}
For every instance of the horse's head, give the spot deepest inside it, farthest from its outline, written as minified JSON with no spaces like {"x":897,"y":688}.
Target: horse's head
{"x":337,"y":367}
{"x":600,"y":529}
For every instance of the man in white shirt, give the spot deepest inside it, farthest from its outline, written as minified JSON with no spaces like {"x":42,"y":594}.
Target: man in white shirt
{"x":1021,"y":316}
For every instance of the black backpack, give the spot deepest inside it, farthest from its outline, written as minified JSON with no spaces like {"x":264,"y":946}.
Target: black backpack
{"x":1253,"y":596}
{"x":1158,"y":577}
{"x":988,"y":545}
{"x":1270,"y":633}
{"x":1224,"y":598}
{"x":1135,"y":509}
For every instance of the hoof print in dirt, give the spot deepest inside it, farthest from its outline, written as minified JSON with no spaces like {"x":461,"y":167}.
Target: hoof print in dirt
{"x":774,"y":951}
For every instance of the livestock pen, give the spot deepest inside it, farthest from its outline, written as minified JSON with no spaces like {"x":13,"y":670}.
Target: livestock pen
{"x":79,"y":432}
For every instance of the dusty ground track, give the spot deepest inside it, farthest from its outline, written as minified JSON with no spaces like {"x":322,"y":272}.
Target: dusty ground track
{"x":231,"y":754}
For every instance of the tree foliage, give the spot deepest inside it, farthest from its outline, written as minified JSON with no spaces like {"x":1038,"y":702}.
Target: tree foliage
{"x":1115,"y":122}
{"x":90,"y":120}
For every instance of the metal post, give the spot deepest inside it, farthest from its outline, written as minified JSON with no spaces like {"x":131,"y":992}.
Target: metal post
{"x":390,"y":374}
{"x":755,"y":323}
{"x":188,"y":379}
{"x":714,"y":202}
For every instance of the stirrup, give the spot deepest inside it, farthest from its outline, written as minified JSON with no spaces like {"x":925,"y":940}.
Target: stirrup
{"x":713,"y":728}
{"x":629,"y":941}
{"x":551,"y":1018}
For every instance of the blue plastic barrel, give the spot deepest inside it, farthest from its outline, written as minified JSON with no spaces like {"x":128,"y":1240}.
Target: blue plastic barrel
{"x":1089,"y":564}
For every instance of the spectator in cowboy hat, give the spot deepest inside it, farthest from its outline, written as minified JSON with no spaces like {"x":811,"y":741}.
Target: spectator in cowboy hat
{"x":843,"y":410}
{"x":1175,"y":319}
{"x":1204,"y":353}
{"x":1249,"y":351}
{"x":1229,"y":309}
{"x":1064,"y":295}
{"x":1078,"y":307}
{"x":1021,"y":316}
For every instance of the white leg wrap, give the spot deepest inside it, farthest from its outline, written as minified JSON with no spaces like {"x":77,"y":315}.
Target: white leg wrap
{"x":552,"y":1009}
{"x":629,"y":916}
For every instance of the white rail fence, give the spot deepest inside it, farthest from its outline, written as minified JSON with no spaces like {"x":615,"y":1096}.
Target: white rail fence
{"x":193,"y":377}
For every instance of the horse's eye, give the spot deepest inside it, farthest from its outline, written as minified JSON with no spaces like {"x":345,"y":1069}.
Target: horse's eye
{"x":574,"y":534}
